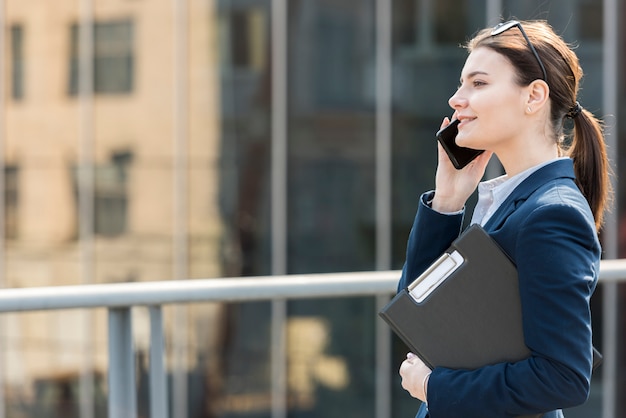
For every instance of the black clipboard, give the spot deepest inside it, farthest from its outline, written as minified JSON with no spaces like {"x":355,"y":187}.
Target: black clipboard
{"x":469,"y":299}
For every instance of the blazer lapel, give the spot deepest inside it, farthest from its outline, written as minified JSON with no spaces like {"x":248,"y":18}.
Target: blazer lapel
{"x":559,"y":169}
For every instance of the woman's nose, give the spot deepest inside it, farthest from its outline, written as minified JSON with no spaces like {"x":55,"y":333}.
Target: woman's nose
{"x":459,"y":99}
{"x":456,"y":101}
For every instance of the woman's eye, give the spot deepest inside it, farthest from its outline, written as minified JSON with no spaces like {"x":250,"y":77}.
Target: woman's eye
{"x":478,"y":83}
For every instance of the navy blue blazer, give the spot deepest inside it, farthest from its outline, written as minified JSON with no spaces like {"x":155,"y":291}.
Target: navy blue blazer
{"x":547,"y":228}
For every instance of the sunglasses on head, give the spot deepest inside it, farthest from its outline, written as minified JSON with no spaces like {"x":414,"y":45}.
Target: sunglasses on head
{"x":503,"y":27}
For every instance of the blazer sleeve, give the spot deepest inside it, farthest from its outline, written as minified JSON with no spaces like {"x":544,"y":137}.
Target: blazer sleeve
{"x":431,"y":234}
{"x":557,"y":255}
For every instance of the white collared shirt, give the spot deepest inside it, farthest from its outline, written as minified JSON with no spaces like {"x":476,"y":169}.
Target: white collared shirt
{"x":492,"y":193}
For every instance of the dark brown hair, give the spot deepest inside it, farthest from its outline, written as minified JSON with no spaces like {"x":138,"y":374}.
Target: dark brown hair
{"x":587,"y":149}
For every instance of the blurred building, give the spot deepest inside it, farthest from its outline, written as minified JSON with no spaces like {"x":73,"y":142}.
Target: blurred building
{"x":139,"y":138}
{"x":111,"y":146}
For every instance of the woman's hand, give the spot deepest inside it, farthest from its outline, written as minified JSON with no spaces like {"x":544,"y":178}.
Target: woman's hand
{"x":453,"y":187}
{"x":414,"y":374}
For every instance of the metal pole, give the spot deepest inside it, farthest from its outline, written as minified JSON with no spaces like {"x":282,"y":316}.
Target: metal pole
{"x":85,"y":174}
{"x":383,"y":135}
{"x":158,"y":378}
{"x":609,"y":344}
{"x":122,"y":388}
{"x":180,"y":201}
{"x":494,"y":10}
{"x":279,"y":202}
{"x":610,"y":308}
{"x":383,"y":197}
{"x":278,"y":359}
{"x":383,"y":362}
{"x":279,"y":137}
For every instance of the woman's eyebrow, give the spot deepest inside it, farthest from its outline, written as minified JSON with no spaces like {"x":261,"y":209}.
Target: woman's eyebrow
{"x":474,"y":74}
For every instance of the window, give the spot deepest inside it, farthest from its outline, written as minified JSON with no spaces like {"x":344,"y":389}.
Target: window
{"x":248,"y":36}
{"x":110,"y":194}
{"x":113,"y":61}
{"x":17,"y":62}
{"x":11,"y":175}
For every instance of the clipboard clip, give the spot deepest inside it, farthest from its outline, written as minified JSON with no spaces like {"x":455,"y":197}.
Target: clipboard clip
{"x":435,"y":275}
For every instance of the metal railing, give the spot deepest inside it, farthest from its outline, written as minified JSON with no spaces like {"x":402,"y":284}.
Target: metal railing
{"x":120,"y":298}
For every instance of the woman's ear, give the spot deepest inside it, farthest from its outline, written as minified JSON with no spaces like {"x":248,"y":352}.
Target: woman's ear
{"x":538,"y":94}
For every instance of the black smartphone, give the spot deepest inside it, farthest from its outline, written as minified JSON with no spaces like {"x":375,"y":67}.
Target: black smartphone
{"x":460,"y":156}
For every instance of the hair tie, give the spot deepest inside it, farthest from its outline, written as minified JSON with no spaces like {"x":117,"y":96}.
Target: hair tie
{"x":574,"y":111}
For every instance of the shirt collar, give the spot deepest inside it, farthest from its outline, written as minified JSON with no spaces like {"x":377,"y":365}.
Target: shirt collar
{"x":492,"y":193}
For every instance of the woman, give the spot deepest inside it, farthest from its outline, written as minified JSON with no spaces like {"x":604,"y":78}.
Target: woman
{"x":518,"y":85}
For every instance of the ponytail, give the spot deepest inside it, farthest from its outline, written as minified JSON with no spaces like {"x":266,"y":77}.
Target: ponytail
{"x":591,"y":164}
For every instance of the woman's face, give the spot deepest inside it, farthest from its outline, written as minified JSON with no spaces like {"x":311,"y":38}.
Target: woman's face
{"x":488,"y":102}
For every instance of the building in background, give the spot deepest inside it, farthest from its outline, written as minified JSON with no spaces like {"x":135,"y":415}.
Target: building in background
{"x":138,"y":141}
{"x":111,"y":148}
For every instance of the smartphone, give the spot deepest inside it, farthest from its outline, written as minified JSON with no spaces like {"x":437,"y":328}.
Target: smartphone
{"x":460,"y":156}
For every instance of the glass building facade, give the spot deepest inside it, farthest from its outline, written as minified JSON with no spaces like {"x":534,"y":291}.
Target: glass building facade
{"x":188,"y":139}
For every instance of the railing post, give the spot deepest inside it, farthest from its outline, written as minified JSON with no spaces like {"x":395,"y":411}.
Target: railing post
{"x":122,"y":387}
{"x":610,"y":341}
{"x":383,"y":362}
{"x":158,"y":380}
{"x":279,"y":358}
